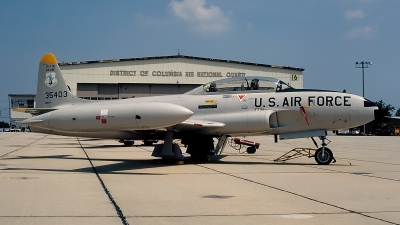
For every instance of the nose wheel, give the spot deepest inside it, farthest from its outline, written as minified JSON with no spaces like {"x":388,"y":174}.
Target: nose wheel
{"x":323,"y":155}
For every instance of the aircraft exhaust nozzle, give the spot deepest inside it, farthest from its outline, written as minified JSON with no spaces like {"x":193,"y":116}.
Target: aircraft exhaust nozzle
{"x":38,"y":121}
{"x":31,"y":121}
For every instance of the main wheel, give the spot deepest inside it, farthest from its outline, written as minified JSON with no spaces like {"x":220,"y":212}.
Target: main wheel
{"x":129,"y":143}
{"x":326,"y":159}
{"x":251,"y":150}
{"x":148,"y":142}
{"x":200,"y":148}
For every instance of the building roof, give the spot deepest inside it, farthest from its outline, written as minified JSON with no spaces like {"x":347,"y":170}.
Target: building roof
{"x":180,"y":56}
{"x":21,"y":95}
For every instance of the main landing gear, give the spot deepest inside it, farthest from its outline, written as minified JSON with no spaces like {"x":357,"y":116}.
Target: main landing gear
{"x":126,"y":142}
{"x":200,"y":147}
{"x":168,"y":150}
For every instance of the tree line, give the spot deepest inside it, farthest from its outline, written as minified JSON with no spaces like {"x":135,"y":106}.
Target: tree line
{"x":4,"y":124}
{"x":383,"y":125}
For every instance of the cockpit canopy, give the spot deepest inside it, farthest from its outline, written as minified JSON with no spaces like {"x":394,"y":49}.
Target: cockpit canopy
{"x":241,"y":84}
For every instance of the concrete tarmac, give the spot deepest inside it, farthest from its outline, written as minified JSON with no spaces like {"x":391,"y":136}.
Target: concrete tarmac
{"x":47,"y":179}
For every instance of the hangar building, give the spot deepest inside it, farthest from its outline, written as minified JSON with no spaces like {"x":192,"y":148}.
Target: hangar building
{"x":138,"y":77}
{"x":161,"y":75}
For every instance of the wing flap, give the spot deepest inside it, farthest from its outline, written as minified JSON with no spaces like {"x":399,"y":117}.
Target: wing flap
{"x":204,"y":124}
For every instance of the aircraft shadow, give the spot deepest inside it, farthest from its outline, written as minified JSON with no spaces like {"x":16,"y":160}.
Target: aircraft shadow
{"x":107,"y":146}
{"x":116,"y":166}
{"x":129,"y":166}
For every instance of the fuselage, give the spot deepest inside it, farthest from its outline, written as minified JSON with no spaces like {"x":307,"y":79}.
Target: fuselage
{"x":241,"y":113}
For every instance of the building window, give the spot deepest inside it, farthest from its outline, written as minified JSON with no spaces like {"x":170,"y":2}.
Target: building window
{"x":31,"y":103}
{"x":21,"y":103}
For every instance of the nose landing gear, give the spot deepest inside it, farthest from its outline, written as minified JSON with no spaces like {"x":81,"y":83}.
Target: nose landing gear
{"x":323,"y":155}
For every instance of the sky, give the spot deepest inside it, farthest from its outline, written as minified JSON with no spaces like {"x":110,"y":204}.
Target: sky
{"x":326,"y":38}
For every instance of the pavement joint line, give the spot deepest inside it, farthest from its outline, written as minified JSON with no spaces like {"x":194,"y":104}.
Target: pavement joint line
{"x":265,"y":214}
{"x":108,"y":193}
{"x":296,"y":194}
{"x":357,"y":174}
{"x":23,"y":146}
{"x":253,"y":214}
{"x":360,"y":160}
{"x":10,"y":137}
{"x":338,"y":171}
{"x":207,"y":215}
{"x":140,"y":147}
{"x":77,"y":216}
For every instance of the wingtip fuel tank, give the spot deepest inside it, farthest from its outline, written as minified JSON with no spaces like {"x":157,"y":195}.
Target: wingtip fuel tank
{"x":129,"y":116}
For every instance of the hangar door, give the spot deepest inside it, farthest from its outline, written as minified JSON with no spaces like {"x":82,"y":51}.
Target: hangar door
{"x":120,"y":91}
{"x":97,"y":91}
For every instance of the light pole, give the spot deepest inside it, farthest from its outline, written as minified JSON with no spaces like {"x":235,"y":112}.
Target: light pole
{"x":363,"y":65}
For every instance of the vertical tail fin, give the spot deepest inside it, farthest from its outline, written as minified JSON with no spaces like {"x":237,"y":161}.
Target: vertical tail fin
{"x":52,"y":91}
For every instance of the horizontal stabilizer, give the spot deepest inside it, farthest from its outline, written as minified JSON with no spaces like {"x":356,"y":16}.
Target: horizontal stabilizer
{"x":34,"y":111}
{"x":30,"y":121}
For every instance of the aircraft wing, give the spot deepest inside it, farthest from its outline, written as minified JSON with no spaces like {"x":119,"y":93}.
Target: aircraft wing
{"x":198,"y":125}
{"x":34,"y":111}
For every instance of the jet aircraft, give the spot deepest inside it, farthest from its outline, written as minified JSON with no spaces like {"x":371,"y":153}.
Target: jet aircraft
{"x":238,"y":106}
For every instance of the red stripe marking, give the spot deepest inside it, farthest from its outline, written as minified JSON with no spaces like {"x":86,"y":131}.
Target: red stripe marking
{"x":304,"y":114}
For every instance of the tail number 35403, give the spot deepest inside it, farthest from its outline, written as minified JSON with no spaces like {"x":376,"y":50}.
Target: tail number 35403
{"x":59,"y":94}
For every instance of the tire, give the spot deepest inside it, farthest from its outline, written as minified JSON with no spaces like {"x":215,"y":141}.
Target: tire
{"x":199,"y":157}
{"x":148,"y":143}
{"x":251,"y":150}
{"x":200,"y":148}
{"x":129,"y":143}
{"x":326,"y":159}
